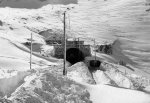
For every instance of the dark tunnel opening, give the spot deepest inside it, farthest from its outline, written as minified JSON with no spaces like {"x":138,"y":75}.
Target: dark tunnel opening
{"x":74,"y":55}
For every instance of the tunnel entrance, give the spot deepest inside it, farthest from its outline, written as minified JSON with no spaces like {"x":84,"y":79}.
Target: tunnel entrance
{"x":74,"y":55}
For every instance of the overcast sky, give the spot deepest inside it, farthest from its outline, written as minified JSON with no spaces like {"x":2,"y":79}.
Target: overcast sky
{"x":32,"y":3}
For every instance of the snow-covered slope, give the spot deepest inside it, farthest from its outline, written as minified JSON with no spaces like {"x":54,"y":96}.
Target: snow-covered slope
{"x":114,"y":76}
{"x":49,"y":85}
{"x":126,"y":20}
{"x":119,"y":76}
{"x":105,"y":20}
{"x":108,"y":94}
{"x":14,"y":55}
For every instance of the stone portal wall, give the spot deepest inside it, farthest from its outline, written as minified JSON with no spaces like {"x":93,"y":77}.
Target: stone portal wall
{"x":59,"y":50}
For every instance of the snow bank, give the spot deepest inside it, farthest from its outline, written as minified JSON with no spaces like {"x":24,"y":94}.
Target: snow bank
{"x":112,"y":76}
{"x":10,"y":84}
{"x":109,"y":94}
{"x":118,"y":54}
{"x":16,"y":56}
{"x":48,"y":87}
{"x":116,"y":76}
{"x":47,"y":50}
{"x":101,"y":78}
{"x":119,"y":77}
{"x":147,"y":89}
{"x":80,"y":72}
{"x":4,"y":73}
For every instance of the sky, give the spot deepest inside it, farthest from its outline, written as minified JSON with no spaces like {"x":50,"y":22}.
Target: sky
{"x":33,"y":4}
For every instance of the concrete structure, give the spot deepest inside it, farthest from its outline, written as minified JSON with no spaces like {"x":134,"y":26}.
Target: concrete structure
{"x":59,"y":48}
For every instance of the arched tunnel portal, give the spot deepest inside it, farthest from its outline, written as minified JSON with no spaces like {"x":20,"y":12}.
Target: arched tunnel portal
{"x":74,"y":55}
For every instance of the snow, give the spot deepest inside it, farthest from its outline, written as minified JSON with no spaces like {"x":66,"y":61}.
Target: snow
{"x":147,"y":89}
{"x":119,"y":77}
{"x":103,"y":93}
{"x":15,"y":58}
{"x":4,"y":73}
{"x":108,"y":94}
{"x":9,"y":84}
{"x":116,"y":19}
{"x":101,"y":78}
{"x":108,"y":21}
{"x":14,"y":55}
{"x":124,"y":23}
{"x":80,"y":73}
{"x":28,"y":79}
{"x":50,"y":87}
{"x":47,"y":50}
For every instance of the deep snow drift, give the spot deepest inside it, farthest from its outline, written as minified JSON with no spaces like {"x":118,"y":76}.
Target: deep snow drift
{"x":49,"y":85}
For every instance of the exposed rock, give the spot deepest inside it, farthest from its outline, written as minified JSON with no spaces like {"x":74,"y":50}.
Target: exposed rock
{"x":148,"y":10}
{"x":107,"y":49}
{"x":1,"y":23}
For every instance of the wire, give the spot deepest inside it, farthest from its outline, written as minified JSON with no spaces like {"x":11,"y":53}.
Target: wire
{"x":69,"y":20}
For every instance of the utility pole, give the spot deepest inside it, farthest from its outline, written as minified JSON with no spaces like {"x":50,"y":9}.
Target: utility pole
{"x":64,"y":70}
{"x":78,"y":42}
{"x":95,"y":48}
{"x":31,"y":53}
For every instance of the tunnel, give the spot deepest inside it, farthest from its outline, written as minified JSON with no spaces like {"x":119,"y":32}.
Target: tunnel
{"x":74,"y":55}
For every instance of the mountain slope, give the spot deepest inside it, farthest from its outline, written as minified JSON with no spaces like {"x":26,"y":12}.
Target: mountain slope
{"x":124,"y":20}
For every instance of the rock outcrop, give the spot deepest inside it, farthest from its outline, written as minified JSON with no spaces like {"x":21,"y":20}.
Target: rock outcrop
{"x":107,"y":49}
